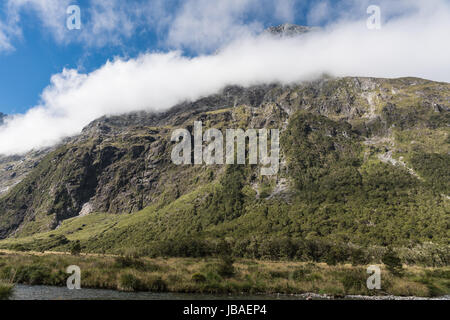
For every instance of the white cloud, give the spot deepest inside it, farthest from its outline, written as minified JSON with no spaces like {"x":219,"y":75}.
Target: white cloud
{"x":204,"y":24}
{"x":407,"y":45}
{"x":9,"y":30}
{"x":51,"y":13}
{"x":104,"y":22}
{"x":5,"y":43}
{"x":199,"y":25}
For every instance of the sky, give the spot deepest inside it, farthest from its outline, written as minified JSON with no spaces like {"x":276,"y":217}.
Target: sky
{"x":151,"y":54}
{"x":40,"y":44}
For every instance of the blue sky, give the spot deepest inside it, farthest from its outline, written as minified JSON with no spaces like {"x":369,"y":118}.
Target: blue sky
{"x":39,"y":52}
{"x":26,"y":69}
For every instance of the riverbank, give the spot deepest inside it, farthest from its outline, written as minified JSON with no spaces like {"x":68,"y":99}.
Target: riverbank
{"x":37,"y":292}
{"x":206,"y":276}
{"x":6,"y":290}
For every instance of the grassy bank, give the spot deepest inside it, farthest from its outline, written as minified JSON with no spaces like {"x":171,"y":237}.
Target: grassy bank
{"x":208,"y":275}
{"x":6,"y":290}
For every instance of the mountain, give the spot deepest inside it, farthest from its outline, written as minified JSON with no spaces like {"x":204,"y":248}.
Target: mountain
{"x":364,"y":161}
{"x":289,"y":30}
{"x":15,"y":168}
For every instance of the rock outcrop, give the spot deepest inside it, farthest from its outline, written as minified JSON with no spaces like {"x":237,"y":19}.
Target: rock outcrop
{"x":121,"y":164}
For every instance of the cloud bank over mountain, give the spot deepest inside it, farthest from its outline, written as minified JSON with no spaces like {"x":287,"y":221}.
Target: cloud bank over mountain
{"x":411,"y":42}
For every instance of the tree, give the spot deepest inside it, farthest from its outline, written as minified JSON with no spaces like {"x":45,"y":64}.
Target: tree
{"x":75,"y":248}
{"x":225,"y":267}
{"x":358,"y":257}
{"x":393,"y":263}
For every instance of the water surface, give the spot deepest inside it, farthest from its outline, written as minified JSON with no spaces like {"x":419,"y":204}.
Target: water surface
{"x":25,"y":292}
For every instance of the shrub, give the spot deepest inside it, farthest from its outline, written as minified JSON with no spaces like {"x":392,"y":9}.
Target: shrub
{"x":7,"y":273}
{"x":182,"y":247}
{"x":265,"y":190}
{"x":33,"y":274}
{"x":198,"y":277}
{"x":225,"y":268}
{"x":75,"y":248}
{"x":279,"y":274}
{"x":358,"y":257}
{"x":58,"y":278}
{"x":128,"y":282}
{"x":393,"y":263}
{"x":131,"y":252}
{"x":330,"y":258}
{"x":353,"y":280}
{"x":123,"y":262}
{"x":6,"y":290}
{"x":157,"y":285}
{"x":300,"y":274}
{"x":50,"y":243}
{"x":19,"y":247}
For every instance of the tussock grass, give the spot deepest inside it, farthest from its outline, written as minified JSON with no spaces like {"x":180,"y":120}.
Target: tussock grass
{"x":202,"y":275}
{"x":6,"y":290}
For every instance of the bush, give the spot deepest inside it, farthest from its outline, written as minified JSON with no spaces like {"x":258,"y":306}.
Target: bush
{"x":157,"y":285}
{"x":19,"y":247}
{"x":435,"y":168}
{"x":393,"y":263}
{"x":123,"y":262}
{"x":58,"y":278}
{"x":6,"y":290}
{"x":198,"y":277}
{"x":335,"y":254}
{"x":279,"y":274}
{"x":301,"y":274}
{"x":353,"y":281}
{"x":182,"y":247}
{"x":358,"y":257}
{"x":129,"y":282}
{"x":33,"y":274}
{"x":75,"y":248}
{"x":225,"y":268}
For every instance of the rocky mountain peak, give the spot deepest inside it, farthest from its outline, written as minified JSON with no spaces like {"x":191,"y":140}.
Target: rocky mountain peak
{"x":290,"y":30}
{"x":2,"y":118}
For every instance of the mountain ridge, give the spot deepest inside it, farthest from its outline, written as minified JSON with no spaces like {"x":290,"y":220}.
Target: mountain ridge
{"x":121,"y":164}
{"x":290,"y":30}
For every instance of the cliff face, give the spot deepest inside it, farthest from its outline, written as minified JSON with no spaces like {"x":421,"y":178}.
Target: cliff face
{"x":358,"y":156}
{"x":14,"y":169}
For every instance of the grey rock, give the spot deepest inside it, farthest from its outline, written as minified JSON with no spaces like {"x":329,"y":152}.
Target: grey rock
{"x":290,"y":30}
{"x":2,"y":118}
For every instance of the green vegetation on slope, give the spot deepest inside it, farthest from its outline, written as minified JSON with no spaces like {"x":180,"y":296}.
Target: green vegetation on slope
{"x":340,"y":205}
{"x":365,"y":165}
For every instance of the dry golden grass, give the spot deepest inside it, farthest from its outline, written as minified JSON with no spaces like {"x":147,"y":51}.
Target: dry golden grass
{"x":200,"y":275}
